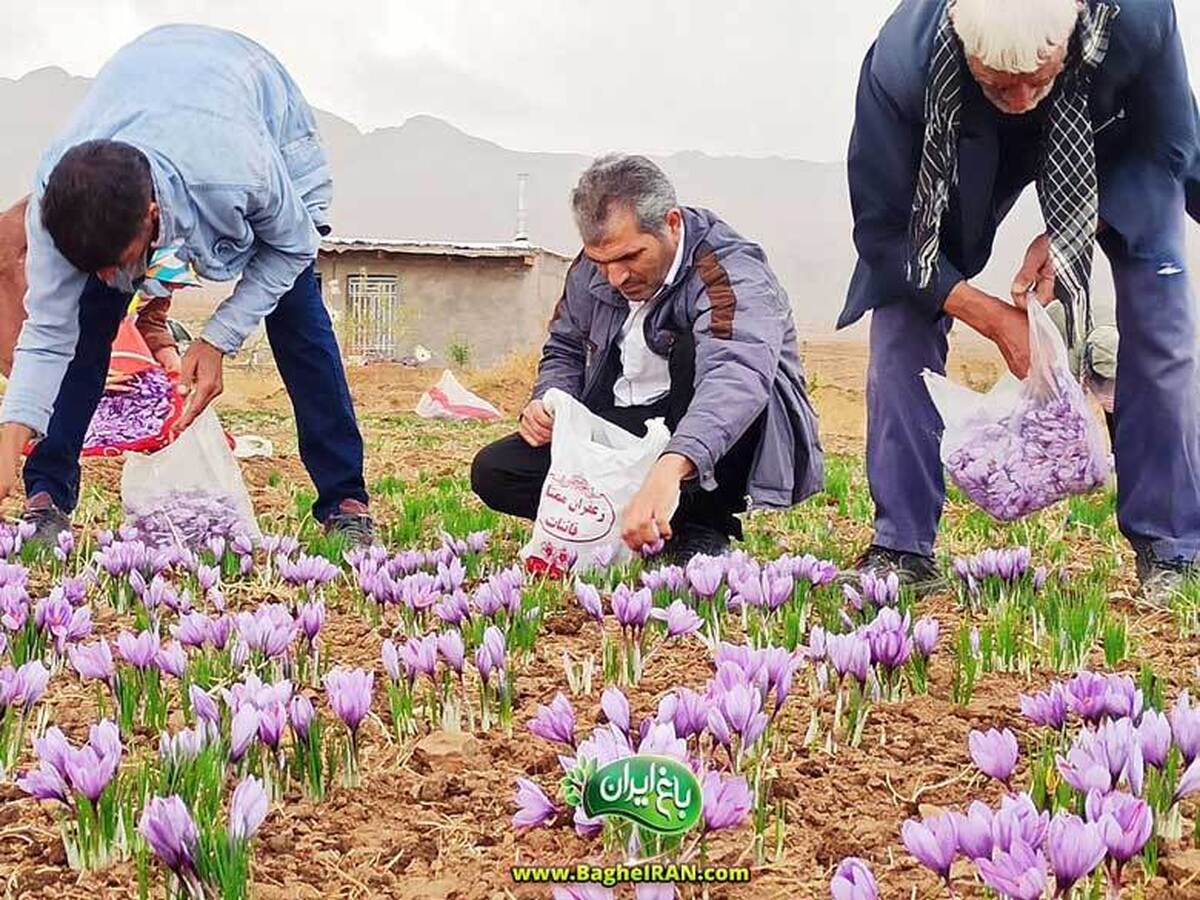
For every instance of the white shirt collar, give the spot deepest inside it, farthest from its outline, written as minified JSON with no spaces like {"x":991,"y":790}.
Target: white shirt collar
{"x":676,"y":264}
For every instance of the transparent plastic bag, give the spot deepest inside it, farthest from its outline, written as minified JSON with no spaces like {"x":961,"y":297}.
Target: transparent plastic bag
{"x":1025,"y":444}
{"x":595,"y":469}
{"x":448,"y":399}
{"x":189,"y":491}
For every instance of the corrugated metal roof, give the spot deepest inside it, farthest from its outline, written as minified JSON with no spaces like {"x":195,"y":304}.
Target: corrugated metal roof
{"x":510,"y":249}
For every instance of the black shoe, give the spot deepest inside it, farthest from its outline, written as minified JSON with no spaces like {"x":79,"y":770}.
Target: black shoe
{"x":1162,"y":580}
{"x":353,"y":521}
{"x":694,"y":540}
{"x":47,"y":519}
{"x":913,"y":569}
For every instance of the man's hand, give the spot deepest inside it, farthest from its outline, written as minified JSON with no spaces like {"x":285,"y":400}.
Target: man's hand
{"x":200,"y":380}
{"x":1036,"y":274}
{"x":536,"y":425}
{"x":117,"y":382}
{"x":648,"y":516}
{"x":13,"y":438}
{"x":1007,"y":326}
{"x":168,"y":357}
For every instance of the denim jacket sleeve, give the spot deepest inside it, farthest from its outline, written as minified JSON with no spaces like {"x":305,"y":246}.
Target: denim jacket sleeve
{"x":286,"y":243}
{"x":47,"y":341}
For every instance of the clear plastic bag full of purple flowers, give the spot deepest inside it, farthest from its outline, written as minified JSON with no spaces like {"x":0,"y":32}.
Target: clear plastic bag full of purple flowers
{"x":1025,"y":444}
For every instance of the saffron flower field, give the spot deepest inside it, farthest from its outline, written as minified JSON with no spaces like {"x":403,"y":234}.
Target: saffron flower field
{"x":303,"y":719}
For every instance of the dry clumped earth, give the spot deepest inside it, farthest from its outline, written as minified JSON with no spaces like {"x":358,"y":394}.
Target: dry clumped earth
{"x":432,"y":818}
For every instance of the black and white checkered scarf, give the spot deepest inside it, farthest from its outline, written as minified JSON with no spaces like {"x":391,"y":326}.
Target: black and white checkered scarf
{"x":1066,"y":180}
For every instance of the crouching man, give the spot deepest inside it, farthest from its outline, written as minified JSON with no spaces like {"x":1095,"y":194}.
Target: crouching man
{"x":669,"y":313}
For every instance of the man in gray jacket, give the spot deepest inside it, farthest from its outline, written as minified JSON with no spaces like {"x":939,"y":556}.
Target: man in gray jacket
{"x":669,"y":313}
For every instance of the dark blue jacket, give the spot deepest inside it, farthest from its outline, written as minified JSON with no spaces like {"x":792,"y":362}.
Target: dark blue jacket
{"x":1148,"y":158}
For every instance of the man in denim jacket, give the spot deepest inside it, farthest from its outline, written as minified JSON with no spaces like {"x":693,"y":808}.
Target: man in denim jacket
{"x":194,"y":144}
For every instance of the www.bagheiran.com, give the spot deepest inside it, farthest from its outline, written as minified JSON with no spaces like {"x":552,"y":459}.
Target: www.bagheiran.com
{"x":648,"y":873}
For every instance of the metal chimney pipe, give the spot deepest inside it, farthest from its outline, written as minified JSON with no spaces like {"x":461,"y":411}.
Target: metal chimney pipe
{"x":522,"y":212}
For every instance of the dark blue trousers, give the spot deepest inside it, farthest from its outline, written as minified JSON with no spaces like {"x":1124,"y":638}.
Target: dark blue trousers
{"x":310,"y":364}
{"x":1157,"y":409}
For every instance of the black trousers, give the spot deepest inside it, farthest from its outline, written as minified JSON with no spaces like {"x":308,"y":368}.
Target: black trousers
{"x":508,"y":475}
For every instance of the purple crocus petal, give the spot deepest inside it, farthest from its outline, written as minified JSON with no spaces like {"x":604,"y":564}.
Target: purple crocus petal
{"x":53,"y":748}
{"x":1075,"y":849}
{"x":450,"y":646}
{"x":933,"y":842}
{"x":172,"y":659}
{"x":555,"y":722}
{"x":45,"y":783}
{"x":853,"y":880}
{"x":974,"y":831}
{"x":301,"y":714}
{"x":204,"y":707}
{"x":243,"y":731}
{"x":1125,"y":825}
{"x":994,"y":752}
{"x":170,"y":831}
{"x":534,"y":808}
{"x":1185,"y":727}
{"x":925,"y":635}
{"x":680,"y":619}
{"x":616,"y":708}
{"x":727,"y":801}
{"x":247,"y":809}
{"x":93,"y":660}
{"x":1018,"y":873}
{"x":349,"y":694}
{"x":1154,"y":736}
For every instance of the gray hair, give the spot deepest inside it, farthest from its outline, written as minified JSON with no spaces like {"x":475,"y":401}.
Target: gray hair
{"x":626,"y":179}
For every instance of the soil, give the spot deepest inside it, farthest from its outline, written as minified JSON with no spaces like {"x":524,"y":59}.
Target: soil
{"x":432,"y":818}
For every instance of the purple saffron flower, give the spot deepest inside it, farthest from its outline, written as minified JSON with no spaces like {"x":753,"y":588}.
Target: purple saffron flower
{"x":1018,"y":873}
{"x":680,"y":618}
{"x":853,"y":881}
{"x":589,"y":600}
{"x":192,"y":630}
{"x":45,"y":783}
{"x":93,"y":660}
{"x":311,"y":617}
{"x":888,"y":638}
{"x":933,"y":842}
{"x":994,"y":752}
{"x":349,"y":693}
{"x":616,"y":708}
{"x":1084,"y":768}
{"x":172,"y":659}
{"x":1018,"y":820}
{"x":204,"y":707}
{"x":242,"y":732}
{"x":631,"y":608}
{"x":453,"y":609}
{"x":974,"y":831}
{"x":704,"y":575}
{"x":168,"y":828}
{"x":419,"y":657}
{"x":1075,"y":849}
{"x":496,"y":646}
{"x":849,"y":654}
{"x":272,"y":721}
{"x":727,"y":801}
{"x":534,"y":808}
{"x":1185,"y":727}
{"x":555,"y":722}
{"x":686,"y":709}
{"x":1189,"y":781}
{"x":247,"y":809}
{"x":391,"y":660}
{"x":1048,"y":709}
{"x":450,"y":646}
{"x":925,"y":635}
{"x":483,"y":663}
{"x":1154,"y":736}
{"x":32,"y":678}
{"x":301,"y":713}
{"x":140,"y":651}
{"x":659,"y":739}
{"x":1087,"y":696}
{"x":1125,"y":823}
{"x":219,"y":632}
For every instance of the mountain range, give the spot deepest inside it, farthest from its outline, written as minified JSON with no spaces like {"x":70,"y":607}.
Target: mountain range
{"x":426,"y":179}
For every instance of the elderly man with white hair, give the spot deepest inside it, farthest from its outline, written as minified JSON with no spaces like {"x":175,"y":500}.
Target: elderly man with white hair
{"x":962,"y":104}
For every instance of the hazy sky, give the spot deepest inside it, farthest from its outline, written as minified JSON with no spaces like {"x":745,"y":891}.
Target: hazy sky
{"x":756,"y":77}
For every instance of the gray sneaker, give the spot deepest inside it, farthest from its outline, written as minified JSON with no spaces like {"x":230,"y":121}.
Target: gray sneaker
{"x":47,"y":519}
{"x":353,"y":521}
{"x":1162,"y":580}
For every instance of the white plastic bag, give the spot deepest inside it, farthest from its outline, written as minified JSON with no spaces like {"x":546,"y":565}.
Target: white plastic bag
{"x":1024,"y":444}
{"x":189,"y":491}
{"x":595,"y":469}
{"x":450,"y":400}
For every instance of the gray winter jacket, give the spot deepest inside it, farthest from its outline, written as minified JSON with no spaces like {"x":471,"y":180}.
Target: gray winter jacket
{"x":747,"y":359}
